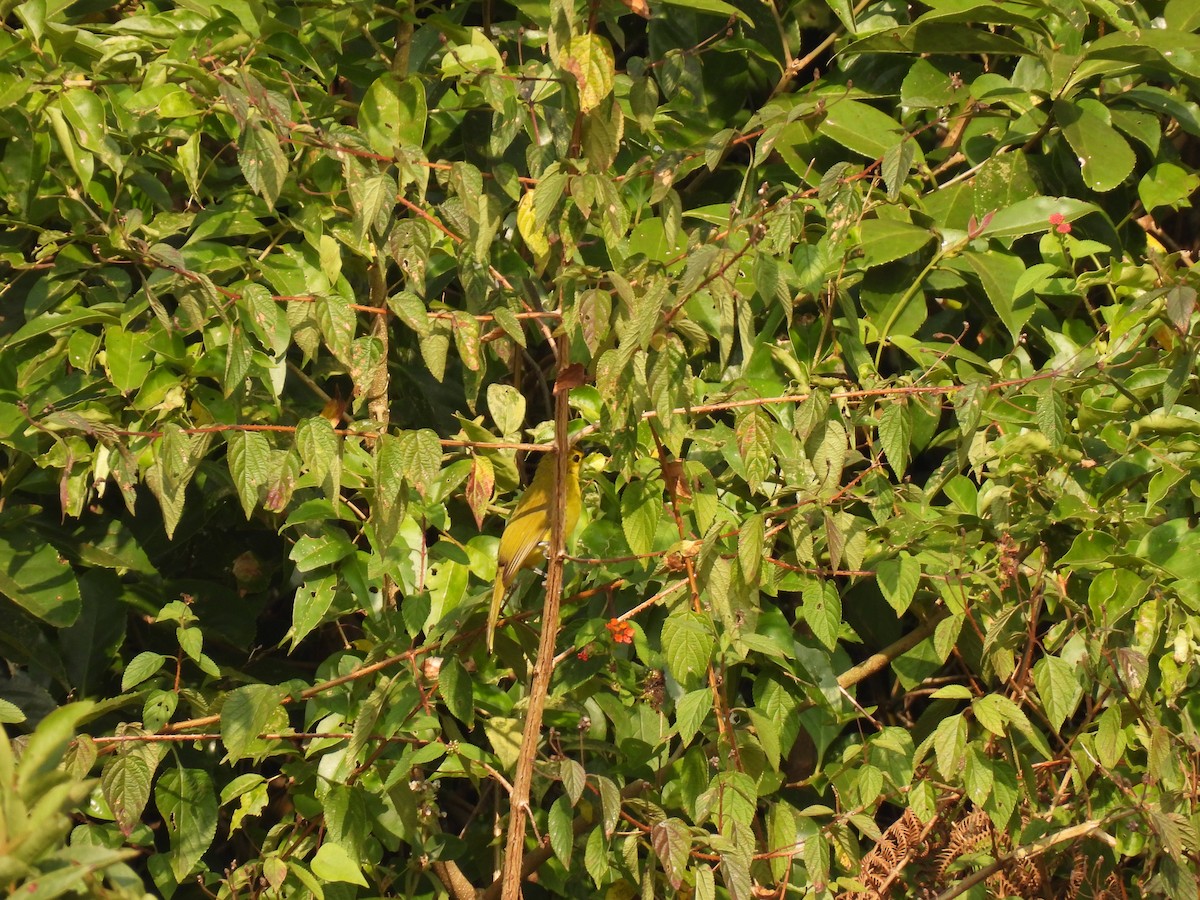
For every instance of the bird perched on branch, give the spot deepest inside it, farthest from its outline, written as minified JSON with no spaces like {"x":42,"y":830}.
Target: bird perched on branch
{"x":527,"y":532}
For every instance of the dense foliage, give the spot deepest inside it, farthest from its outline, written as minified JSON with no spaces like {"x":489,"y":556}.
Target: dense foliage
{"x":876,"y":325}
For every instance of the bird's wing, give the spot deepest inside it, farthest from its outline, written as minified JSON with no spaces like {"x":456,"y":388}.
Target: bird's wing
{"x":524,"y":540}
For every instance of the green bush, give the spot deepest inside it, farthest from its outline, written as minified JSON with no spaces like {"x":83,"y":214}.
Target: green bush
{"x":877,"y":326}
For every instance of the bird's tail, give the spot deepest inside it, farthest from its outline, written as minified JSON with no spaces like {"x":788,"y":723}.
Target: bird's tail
{"x":498,"y":591}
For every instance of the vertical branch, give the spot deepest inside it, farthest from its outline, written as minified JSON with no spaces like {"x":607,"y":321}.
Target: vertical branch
{"x":673,"y":477}
{"x":377,"y":398}
{"x":544,"y":664}
{"x":404,"y":35}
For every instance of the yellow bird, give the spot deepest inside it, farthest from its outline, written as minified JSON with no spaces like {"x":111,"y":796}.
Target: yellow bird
{"x":528,"y":529}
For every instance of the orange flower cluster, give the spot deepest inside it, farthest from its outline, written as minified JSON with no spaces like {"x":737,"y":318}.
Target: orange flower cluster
{"x":622,"y":632}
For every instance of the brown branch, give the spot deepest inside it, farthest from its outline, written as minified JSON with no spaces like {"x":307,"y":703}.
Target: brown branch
{"x":863,"y":394}
{"x":544,"y":665}
{"x":534,"y":859}
{"x":315,"y":690}
{"x":1069,"y":834}
{"x":452,"y":878}
{"x":817,"y":570}
{"x":378,"y":404}
{"x":876,"y":662}
{"x":279,"y":736}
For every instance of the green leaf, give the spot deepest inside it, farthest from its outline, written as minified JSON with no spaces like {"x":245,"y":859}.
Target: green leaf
{"x":191,"y":641}
{"x":1058,"y":685}
{"x":508,"y":321}
{"x":610,"y":804}
{"x":978,"y":776}
{"x":1000,"y":275}
{"x":1032,"y":216}
{"x":822,"y":610}
{"x":454,"y":685}
{"x":897,"y":163}
{"x":125,"y":782}
{"x":690,"y":712}
{"x":735,"y":867}
{"x":595,"y":856}
{"x":1181,"y":303}
{"x":672,"y":843}
{"x":313,"y":552}
{"x":767,"y":731}
{"x":10,"y":713}
{"x":574,"y":779}
{"x":895,"y":435}
{"x":995,"y":711}
{"x":753,"y":433}
{"x":188,"y":807}
{"x":532,"y":232}
{"x":158,"y":709}
{"x":949,"y":744}
{"x":420,"y":458}
{"x":886,"y":240}
{"x":1167,"y":184}
{"x":750,"y":548}
{"x":126,"y":358}
{"x":641,"y":510}
{"x":1173,"y":546}
{"x":332,"y":863}
{"x":85,"y":111}
{"x":933,"y":37}
{"x":249,"y":458}
{"x":252,"y":800}
{"x":1104,"y":155}
{"x":337,"y":322}
{"x":36,"y":577}
{"x":141,"y":667}
{"x":504,"y":734}
{"x":898,"y":579}
{"x":712,"y":7}
{"x":1090,"y":549}
{"x":475,"y":55}
{"x":245,"y":714}
{"x":312,"y":602}
{"x":320,"y":451}
{"x":81,"y":162}
{"x":238,"y":356}
{"x":43,"y":751}
{"x":687,"y":644}
{"x":1052,"y":415}
{"x":392,"y":114}
{"x":367,"y":364}
{"x":589,"y":59}
{"x":507,"y":406}
{"x":864,"y":130}
{"x":1153,"y":46}
{"x":830,"y":457}
{"x":262,"y":161}
{"x":65,"y":321}
{"x":603,"y":129}
{"x":1110,"y":738}
{"x":558,"y":824}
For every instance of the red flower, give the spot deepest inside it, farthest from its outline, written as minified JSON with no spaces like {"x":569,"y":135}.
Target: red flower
{"x":622,"y":632}
{"x":1060,"y":224}
{"x":583,"y":654}
{"x":1056,"y":218}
